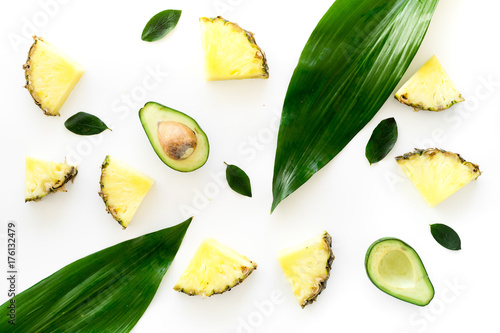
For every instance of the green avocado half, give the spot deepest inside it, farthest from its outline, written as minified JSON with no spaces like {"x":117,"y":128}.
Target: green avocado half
{"x":395,"y":268}
{"x":176,"y":138}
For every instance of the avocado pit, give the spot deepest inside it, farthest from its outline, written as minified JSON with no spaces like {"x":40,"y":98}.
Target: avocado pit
{"x":177,"y":140}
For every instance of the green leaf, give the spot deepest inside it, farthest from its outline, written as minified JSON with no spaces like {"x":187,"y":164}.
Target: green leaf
{"x":107,"y":291}
{"x":238,"y":180}
{"x":160,"y":25}
{"x":383,"y":139}
{"x":446,"y":236}
{"x":83,"y":123}
{"x":349,"y":67}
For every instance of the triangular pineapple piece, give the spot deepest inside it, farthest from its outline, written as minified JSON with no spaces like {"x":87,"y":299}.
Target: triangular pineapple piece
{"x":122,"y":188}
{"x":50,"y":76}
{"x":430,"y":88}
{"x":230,"y":52}
{"x":307,"y":267}
{"x":214,"y":269}
{"x":43,"y":177}
{"x":436,"y":173}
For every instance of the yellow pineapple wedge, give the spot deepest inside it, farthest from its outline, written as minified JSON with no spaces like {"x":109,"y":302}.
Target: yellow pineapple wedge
{"x":307,"y":267}
{"x":430,"y":88}
{"x":122,"y":188}
{"x":43,"y":177}
{"x":230,"y":51}
{"x":437,"y":173}
{"x":50,"y":76}
{"x":214,"y":269}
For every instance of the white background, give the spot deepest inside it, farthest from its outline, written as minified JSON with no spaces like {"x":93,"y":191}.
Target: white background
{"x":356,"y":203}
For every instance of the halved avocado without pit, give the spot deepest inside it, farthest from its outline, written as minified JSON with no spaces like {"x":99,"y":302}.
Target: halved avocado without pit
{"x":176,"y":138}
{"x":395,"y":268}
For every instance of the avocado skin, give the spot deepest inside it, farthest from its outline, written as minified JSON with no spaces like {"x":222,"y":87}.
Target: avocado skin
{"x":415,"y":256}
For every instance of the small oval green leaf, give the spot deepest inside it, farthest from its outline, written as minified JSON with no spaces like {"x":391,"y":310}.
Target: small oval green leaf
{"x":160,"y":25}
{"x":83,"y":123}
{"x":383,"y":139}
{"x":238,"y":180}
{"x":446,"y":236}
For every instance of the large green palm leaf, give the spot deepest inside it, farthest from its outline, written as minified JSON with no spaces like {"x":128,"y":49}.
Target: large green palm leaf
{"x":351,"y":63}
{"x":107,"y":291}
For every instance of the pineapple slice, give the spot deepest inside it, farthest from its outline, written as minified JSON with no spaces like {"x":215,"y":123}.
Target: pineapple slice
{"x":50,"y":76}
{"x":43,"y":177}
{"x":430,"y":88}
{"x":230,"y":51}
{"x":122,"y":188}
{"x":307,"y":267}
{"x":436,"y":173}
{"x":214,"y":269}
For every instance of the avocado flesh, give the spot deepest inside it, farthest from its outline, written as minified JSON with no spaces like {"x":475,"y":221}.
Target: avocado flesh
{"x":157,"y":119}
{"x":395,"y":268}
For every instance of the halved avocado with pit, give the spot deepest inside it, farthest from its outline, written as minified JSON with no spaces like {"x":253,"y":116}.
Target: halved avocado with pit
{"x":395,"y":268}
{"x":176,"y":138}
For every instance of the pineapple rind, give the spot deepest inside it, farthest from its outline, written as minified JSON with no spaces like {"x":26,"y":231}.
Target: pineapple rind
{"x":292,"y":259}
{"x":50,"y":185}
{"x":214,"y":269}
{"x":63,"y":64}
{"x":134,"y":186}
{"x":430,"y":88}
{"x":418,"y":166}
{"x":258,"y":67}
